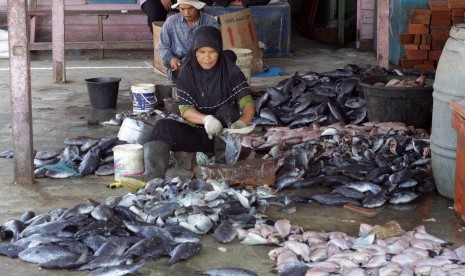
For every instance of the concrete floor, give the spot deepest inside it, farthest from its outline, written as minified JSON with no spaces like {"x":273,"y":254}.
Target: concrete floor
{"x":62,"y":110}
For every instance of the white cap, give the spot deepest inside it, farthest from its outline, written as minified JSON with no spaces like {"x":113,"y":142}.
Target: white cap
{"x":194,"y":3}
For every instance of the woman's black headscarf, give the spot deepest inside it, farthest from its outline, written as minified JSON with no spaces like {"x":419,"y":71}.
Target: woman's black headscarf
{"x":206,"y":90}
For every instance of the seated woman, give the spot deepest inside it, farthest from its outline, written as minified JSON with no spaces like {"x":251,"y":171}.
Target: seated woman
{"x":213,"y":94}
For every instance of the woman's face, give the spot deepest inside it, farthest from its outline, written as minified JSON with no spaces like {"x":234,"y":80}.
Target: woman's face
{"x":206,"y":57}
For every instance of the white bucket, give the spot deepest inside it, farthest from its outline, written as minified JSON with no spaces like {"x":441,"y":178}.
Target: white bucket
{"x":135,"y":131}
{"x":129,"y":160}
{"x":143,"y":97}
{"x":244,"y":61}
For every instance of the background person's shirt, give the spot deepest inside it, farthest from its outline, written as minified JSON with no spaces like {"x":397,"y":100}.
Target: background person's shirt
{"x":176,"y":36}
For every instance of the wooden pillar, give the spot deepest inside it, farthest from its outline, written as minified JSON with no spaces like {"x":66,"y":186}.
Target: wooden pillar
{"x":20,"y":91}
{"x":382,"y":48}
{"x":58,"y":41}
{"x":341,"y":12}
{"x":101,"y":53}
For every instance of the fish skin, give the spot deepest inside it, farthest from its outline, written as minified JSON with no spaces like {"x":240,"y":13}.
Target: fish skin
{"x":12,"y":229}
{"x":45,"y":253}
{"x":43,"y":155}
{"x":225,"y":232}
{"x":334,"y":199}
{"x":79,"y":140}
{"x":337,"y":111}
{"x":102,"y":212}
{"x":106,"y":169}
{"x":90,"y":162}
{"x":10,"y":250}
{"x":399,"y":198}
{"x":105,"y":261}
{"x":8,"y":154}
{"x":131,"y":269}
{"x":227,"y":271}
{"x":184,"y":251}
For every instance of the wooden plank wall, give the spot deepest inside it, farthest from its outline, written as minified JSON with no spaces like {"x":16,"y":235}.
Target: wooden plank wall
{"x":84,"y":28}
{"x":365,"y":23}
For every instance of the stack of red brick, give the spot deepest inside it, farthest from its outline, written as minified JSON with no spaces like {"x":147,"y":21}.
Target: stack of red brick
{"x":428,"y":31}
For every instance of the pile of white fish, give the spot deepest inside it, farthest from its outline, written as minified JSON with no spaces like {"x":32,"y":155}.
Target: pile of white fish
{"x":379,"y":250}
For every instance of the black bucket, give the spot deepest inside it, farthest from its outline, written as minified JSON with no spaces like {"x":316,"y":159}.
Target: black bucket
{"x":103,"y":92}
{"x":410,"y":105}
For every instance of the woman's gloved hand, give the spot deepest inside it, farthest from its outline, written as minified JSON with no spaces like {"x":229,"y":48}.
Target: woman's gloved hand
{"x":212,"y":125}
{"x":238,"y":124}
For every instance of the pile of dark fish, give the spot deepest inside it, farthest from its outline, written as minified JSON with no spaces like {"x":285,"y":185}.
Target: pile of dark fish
{"x":324,"y":98}
{"x":81,"y":156}
{"x":367,"y":165}
{"x":166,"y":219}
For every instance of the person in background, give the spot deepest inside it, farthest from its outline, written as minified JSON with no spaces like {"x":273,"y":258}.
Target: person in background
{"x":213,"y":94}
{"x":176,"y":33}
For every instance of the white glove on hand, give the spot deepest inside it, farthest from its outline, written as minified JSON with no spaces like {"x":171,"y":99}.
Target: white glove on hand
{"x":212,"y":126}
{"x":238,"y":124}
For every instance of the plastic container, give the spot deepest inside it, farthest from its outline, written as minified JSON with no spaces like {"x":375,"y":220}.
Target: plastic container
{"x":244,"y":61}
{"x":135,"y":131}
{"x":143,"y":97}
{"x":458,"y":122}
{"x":448,"y":86}
{"x":103,"y":92}
{"x":410,"y":105}
{"x":129,"y":160}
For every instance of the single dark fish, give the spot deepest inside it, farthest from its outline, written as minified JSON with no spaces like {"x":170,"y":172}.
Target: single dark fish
{"x":181,"y":234}
{"x":228,"y":271}
{"x":70,"y":153}
{"x":79,"y":141}
{"x":349,"y":192}
{"x":90,"y":162}
{"x":374,"y":201}
{"x":337,"y":74}
{"x":334,"y":199}
{"x":399,"y":198}
{"x":105,"y":262}
{"x":43,"y":155}
{"x":102,"y":212}
{"x":184,"y":251}
{"x":225,"y":232}
{"x":6,"y":154}
{"x":12,"y":229}
{"x":261,"y":102}
{"x":233,"y":148}
{"x":355,"y":102}
{"x":45,"y":253}
{"x":359,"y":115}
{"x":308,"y":182}
{"x":304,"y":101}
{"x":88,"y":145}
{"x":267,"y":113}
{"x":106,"y":169}
{"x":165,"y":210}
{"x":10,"y":250}
{"x":131,"y":269}
{"x":337,"y":111}
{"x":106,"y":143}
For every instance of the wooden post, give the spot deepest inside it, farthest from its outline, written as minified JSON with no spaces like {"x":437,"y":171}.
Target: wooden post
{"x":383,"y":34}
{"x":20,"y":91}
{"x":101,"y":53}
{"x":341,"y":12}
{"x":58,"y":41}
{"x":359,"y":18}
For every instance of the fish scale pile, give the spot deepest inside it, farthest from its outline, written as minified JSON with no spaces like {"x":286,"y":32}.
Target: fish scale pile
{"x":324,"y":98}
{"x":368,"y":164}
{"x":165,"y":219}
{"x":379,"y":250}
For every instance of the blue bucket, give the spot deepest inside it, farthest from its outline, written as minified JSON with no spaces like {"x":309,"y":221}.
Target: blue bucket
{"x":143,"y":97}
